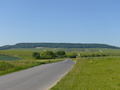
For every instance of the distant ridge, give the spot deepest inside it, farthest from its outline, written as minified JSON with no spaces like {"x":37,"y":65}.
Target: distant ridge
{"x":58,"y":45}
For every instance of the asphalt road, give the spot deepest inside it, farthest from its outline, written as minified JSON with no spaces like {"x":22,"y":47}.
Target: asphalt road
{"x":41,"y":77}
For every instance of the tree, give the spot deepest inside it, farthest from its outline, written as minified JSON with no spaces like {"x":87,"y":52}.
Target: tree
{"x":60,"y":53}
{"x":36,"y":55}
{"x":73,"y":55}
{"x":48,"y":55}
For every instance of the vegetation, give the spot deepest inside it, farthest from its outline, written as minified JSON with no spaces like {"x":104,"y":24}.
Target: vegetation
{"x":48,"y":55}
{"x":11,"y":61}
{"x":36,"y":55}
{"x":15,"y":60}
{"x":92,"y":71}
{"x":94,"y":55}
{"x":72,"y":55}
{"x":76,"y":50}
{"x":22,"y":55}
{"x":92,"y":74}
{"x":60,"y":53}
{"x":98,"y":54}
{"x":57,"y":45}
{"x":52,"y":55}
{"x":5,"y":66}
{"x":13,"y":66}
{"x":8,"y":58}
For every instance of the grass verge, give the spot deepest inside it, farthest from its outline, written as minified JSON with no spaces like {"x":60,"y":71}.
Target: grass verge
{"x":13,"y":66}
{"x":92,"y":74}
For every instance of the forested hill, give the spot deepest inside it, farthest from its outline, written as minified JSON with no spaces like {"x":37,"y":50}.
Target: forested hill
{"x":58,"y":45}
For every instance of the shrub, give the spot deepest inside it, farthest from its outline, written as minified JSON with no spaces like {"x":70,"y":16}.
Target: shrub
{"x":60,"y":53}
{"x":36,"y":55}
{"x":48,"y":55}
{"x":73,"y":55}
{"x":5,"y":66}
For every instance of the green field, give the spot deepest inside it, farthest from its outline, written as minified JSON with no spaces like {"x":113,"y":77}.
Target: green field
{"x":15,"y":60}
{"x":89,"y":73}
{"x":81,"y":50}
{"x":92,"y":74}
{"x":8,"y":58}
{"x":17,"y":53}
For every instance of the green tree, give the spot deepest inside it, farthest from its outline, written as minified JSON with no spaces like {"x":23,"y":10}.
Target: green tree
{"x":73,"y":55}
{"x":36,"y":55}
{"x":48,"y":55}
{"x":60,"y":53}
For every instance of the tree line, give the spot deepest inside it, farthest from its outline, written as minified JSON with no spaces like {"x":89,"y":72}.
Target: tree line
{"x":52,"y":55}
{"x":58,"y":45}
{"x":94,"y":55}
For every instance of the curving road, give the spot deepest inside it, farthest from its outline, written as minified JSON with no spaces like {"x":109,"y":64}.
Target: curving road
{"x":37,"y":78}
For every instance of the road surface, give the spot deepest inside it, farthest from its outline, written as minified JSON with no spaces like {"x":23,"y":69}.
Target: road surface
{"x":41,"y":77}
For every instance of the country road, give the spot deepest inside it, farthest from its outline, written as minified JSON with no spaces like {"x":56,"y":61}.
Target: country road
{"x":40,"y":77}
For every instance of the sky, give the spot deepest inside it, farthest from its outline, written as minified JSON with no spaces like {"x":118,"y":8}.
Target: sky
{"x":60,"y":21}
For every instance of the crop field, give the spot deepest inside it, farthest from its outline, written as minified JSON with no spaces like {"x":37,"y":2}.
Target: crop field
{"x":17,"y":53}
{"x":8,"y":58}
{"x":101,"y":50}
{"x":92,"y":74}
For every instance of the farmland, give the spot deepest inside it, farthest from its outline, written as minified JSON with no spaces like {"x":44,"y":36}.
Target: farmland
{"x":8,"y":58}
{"x":81,"y":50}
{"x":95,"y":68}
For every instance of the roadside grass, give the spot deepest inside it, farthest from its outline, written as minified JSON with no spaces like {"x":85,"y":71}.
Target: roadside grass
{"x":13,"y":66}
{"x":92,"y":74}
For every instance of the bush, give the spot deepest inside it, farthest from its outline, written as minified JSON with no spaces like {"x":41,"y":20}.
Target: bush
{"x":48,"y":55}
{"x":36,"y":55}
{"x":60,"y":53}
{"x":73,"y":55}
{"x":5,"y":66}
{"x":94,"y":55}
{"x":42,"y":62}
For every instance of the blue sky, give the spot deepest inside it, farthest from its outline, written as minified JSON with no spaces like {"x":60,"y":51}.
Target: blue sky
{"x":70,"y":21}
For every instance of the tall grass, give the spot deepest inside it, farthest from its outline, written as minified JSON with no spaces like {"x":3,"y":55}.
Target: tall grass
{"x":92,"y":74}
{"x":13,"y":66}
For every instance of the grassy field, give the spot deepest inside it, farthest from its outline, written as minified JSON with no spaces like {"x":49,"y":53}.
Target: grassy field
{"x":92,"y":74}
{"x":15,"y":60}
{"x":13,"y":66}
{"x":8,"y":58}
{"x":98,"y":73}
{"x":80,"y":50}
{"x":20,"y":54}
